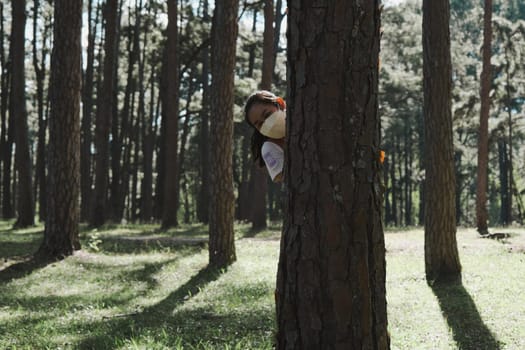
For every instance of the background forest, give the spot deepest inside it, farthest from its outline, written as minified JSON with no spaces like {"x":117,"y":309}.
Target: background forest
{"x":138,"y":128}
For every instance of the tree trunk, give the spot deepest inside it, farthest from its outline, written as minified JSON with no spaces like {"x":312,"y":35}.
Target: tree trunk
{"x":279,"y":16}
{"x":222,"y":201}
{"x":40,"y":72}
{"x":244,"y":181}
{"x":331,"y":278}
{"x":394,"y":183}
{"x":504,"y":182}
{"x":408,"y":175}
{"x":63,"y":211}
{"x":104,"y":116}
{"x":441,"y":252}
{"x":203,"y":199}
{"x":87,"y":109}
{"x":509,"y":108}
{"x":122,"y":128}
{"x":17,"y":107}
{"x":134,"y":167}
{"x":7,"y":132}
{"x":148,"y":146}
{"x":258,"y":216}
{"x":186,"y":129}
{"x":146,"y":129}
{"x":388,"y":191}
{"x":171,"y":107}
{"x":482,"y":215}
{"x":459,"y":185}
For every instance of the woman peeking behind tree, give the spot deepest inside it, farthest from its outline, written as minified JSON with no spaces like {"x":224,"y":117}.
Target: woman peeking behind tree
{"x":266,"y":113}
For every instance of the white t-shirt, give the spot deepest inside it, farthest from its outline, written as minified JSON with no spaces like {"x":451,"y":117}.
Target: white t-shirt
{"x":273,"y":156}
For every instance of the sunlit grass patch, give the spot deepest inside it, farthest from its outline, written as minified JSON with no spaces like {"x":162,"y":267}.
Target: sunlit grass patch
{"x":163,"y":296}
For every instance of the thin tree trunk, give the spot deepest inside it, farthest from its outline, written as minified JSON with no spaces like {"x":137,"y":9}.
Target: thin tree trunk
{"x":159,"y":145}
{"x":63,"y":211}
{"x":510,"y":166}
{"x":122,"y":127}
{"x":186,"y":128}
{"x":395,"y":216}
{"x":408,"y":175}
{"x":331,"y":276}
{"x":459,"y":186}
{"x":104,"y":116}
{"x":26,"y":212}
{"x":203,"y":199}
{"x":441,"y":252}
{"x":388,"y":192}
{"x":483,"y":141}
{"x":39,"y":67}
{"x":7,"y":124}
{"x":244,"y":181}
{"x":279,"y":16}
{"x":222,"y":201}
{"x":258,"y":216}
{"x":87,"y":110}
{"x":148,"y":137}
{"x":504,"y":181}
{"x":171,"y":107}
{"x":400,"y":217}
{"x":137,"y":145}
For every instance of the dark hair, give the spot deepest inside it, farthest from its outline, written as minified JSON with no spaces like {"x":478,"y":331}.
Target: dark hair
{"x":261,"y":96}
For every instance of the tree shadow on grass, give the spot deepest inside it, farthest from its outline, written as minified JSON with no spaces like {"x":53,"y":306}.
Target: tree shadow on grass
{"x":462,"y":315}
{"x":21,"y":269}
{"x":125,"y":326}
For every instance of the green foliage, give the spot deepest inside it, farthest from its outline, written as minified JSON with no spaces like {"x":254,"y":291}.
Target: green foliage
{"x":401,"y":103}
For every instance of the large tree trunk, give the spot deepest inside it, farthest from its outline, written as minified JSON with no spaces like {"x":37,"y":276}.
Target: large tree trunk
{"x":63,"y":211}
{"x":104,"y":116}
{"x":331,"y":278}
{"x":222,"y":201}
{"x":17,"y":108}
{"x":482,"y":215}
{"x":171,"y":107}
{"x":441,"y":252}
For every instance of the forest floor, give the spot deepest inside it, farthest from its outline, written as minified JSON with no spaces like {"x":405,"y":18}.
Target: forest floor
{"x":135,"y":287}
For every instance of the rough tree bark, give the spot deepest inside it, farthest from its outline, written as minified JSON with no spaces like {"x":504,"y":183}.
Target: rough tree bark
{"x":331,"y":277}
{"x":63,"y":207}
{"x":222,"y":201}
{"x":441,"y":252}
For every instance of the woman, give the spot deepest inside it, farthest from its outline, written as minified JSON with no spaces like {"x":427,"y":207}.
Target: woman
{"x":266,"y":113}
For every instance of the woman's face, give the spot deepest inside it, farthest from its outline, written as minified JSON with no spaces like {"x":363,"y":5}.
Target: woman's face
{"x":258,"y":113}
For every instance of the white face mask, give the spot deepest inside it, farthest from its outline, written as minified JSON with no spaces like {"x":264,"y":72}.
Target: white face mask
{"x":275,"y":125}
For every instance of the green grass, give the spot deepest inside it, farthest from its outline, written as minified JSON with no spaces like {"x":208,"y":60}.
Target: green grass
{"x":135,"y":287}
